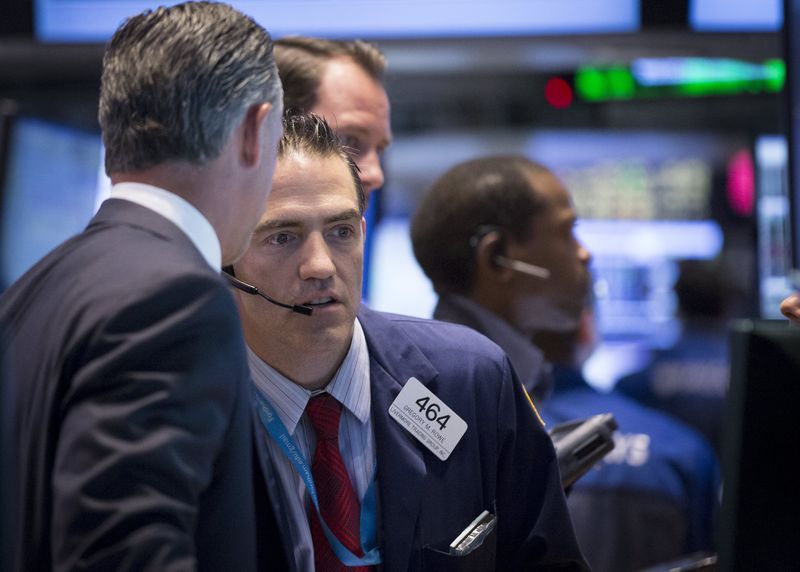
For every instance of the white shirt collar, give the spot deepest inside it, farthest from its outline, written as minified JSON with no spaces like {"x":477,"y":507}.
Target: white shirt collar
{"x":178,"y":211}
{"x":350,"y":384}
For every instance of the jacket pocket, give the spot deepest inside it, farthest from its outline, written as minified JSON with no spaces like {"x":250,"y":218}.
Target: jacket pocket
{"x":481,"y":559}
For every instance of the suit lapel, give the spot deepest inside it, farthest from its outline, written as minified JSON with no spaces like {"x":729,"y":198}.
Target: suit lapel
{"x":400,"y":457}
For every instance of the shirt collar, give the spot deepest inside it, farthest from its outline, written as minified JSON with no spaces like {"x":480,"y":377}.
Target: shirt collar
{"x":178,"y":211}
{"x":527,"y":359}
{"x":350,"y":384}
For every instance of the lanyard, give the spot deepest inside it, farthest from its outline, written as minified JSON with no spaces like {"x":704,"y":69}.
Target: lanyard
{"x":369,"y":506}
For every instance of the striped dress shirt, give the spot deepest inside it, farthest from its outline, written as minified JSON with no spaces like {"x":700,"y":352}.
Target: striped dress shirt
{"x":350,"y":386}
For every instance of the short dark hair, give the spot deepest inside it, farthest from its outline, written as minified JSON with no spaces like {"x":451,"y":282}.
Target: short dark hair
{"x":301,"y":61}
{"x":494,"y":191}
{"x":177,"y":81}
{"x":307,"y":133}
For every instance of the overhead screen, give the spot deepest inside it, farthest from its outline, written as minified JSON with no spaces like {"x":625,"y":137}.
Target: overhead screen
{"x":792,"y":43}
{"x":645,"y":201}
{"x":96,"y":20}
{"x":49,"y":193}
{"x":736,"y":15}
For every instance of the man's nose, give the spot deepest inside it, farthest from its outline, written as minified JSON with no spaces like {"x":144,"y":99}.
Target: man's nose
{"x":584,"y":255}
{"x":371,"y":171}
{"x":316,"y":262}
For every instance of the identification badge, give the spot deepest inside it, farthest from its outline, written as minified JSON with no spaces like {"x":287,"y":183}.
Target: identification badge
{"x":427,"y":418}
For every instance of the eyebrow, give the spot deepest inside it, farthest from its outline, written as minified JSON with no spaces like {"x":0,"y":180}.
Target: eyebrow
{"x":274,"y":224}
{"x":357,"y":130}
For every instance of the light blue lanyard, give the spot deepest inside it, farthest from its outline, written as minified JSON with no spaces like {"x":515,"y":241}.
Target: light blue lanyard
{"x":369,"y":507}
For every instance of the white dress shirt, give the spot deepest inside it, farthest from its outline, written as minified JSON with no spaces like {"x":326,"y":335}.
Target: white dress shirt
{"x":178,"y":211}
{"x":350,"y":386}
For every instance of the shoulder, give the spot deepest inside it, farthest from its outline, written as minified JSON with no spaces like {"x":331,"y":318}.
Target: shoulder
{"x":645,"y":433}
{"x":460,"y":364}
{"x":432,"y":337}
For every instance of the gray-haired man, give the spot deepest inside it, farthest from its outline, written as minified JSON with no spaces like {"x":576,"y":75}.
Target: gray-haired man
{"x":131,"y":420}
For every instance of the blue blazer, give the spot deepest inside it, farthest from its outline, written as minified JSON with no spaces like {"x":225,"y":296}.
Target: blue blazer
{"x":129,"y":396}
{"x":504,"y":463}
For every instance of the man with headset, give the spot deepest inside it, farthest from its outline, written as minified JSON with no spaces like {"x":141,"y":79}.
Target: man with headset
{"x":382,"y":439}
{"x":496,"y":237}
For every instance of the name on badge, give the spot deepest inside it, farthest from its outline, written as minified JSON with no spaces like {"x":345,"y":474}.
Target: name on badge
{"x":428,"y":419}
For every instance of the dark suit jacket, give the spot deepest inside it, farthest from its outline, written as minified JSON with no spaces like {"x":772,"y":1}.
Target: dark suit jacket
{"x":504,"y":463}
{"x":132,"y":430}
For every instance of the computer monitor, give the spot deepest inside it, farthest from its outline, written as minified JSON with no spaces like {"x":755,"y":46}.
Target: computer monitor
{"x":96,"y":20}
{"x":49,"y":191}
{"x":773,"y":224}
{"x":645,"y":200}
{"x":758,"y":527}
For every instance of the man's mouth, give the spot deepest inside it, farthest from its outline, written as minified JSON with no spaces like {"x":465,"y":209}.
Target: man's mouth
{"x":327,"y":300}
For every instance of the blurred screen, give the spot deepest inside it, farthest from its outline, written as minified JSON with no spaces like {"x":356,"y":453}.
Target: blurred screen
{"x":96,"y":20}
{"x":645,"y":200}
{"x":50,"y":191}
{"x":792,"y":46}
{"x":773,"y":224}
{"x":736,"y":15}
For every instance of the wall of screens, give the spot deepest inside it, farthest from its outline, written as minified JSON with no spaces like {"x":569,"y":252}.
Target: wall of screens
{"x":645,"y":199}
{"x":50,"y":190}
{"x":95,"y":20}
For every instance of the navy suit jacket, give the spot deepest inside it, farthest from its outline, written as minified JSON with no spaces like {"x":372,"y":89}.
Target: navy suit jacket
{"x":504,"y":463}
{"x":131,"y":429}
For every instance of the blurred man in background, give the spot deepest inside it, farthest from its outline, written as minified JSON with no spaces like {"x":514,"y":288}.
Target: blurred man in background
{"x":341,"y":81}
{"x":690,"y":380}
{"x":131,"y":429}
{"x":654,"y":497}
{"x":495,"y":237}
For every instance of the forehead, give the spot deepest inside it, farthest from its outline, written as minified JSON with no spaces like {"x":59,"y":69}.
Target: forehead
{"x":311,"y":184}
{"x":349,"y":98}
{"x":558,"y":206}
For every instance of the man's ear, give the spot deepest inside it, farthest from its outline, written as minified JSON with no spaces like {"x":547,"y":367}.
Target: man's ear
{"x":254,"y":126}
{"x":489,"y":248}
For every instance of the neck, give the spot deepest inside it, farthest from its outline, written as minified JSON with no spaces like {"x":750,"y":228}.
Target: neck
{"x":310,"y":372}
{"x":492,"y":297}
{"x":310,"y":365}
{"x":199,"y":185}
{"x":558,"y":347}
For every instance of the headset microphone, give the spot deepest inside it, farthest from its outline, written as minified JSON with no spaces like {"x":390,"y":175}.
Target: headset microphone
{"x":524,"y":267}
{"x":250,"y":289}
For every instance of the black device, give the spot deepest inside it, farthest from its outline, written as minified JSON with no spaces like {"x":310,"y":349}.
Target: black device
{"x":227,"y":272}
{"x":760,"y":498}
{"x":582,"y":443}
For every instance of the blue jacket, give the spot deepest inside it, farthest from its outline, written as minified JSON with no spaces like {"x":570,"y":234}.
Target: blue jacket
{"x":688,"y":381}
{"x":650,"y":500}
{"x":504,"y":463}
{"x":131,"y":410}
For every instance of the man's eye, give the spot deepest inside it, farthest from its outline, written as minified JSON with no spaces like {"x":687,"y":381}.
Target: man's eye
{"x":279,"y":239}
{"x":343,"y":232}
{"x":352,"y":143}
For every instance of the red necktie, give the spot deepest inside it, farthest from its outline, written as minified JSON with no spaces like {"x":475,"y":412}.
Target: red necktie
{"x":338,"y":502}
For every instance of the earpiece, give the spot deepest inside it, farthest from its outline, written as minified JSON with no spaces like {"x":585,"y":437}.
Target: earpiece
{"x":520,"y":266}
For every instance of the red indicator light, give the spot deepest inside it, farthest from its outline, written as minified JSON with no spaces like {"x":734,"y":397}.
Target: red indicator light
{"x":558,"y":93}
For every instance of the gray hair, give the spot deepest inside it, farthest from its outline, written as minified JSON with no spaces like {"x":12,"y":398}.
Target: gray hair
{"x":177,"y":81}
